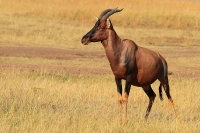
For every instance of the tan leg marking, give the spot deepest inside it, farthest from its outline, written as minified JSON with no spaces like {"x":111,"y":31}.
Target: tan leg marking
{"x":125,"y":101}
{"x":120,"y":107}
{"x":172,"y":105}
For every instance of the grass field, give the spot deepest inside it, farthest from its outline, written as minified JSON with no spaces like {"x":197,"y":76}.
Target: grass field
{"x":38,"y":95}
{"x":61,"y":102}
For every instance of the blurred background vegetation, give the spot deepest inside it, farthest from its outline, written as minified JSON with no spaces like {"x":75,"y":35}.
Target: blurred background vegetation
{"x":179,"y":14}
{"x":62,"y":23}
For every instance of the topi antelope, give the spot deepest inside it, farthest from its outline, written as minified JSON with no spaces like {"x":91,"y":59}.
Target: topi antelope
{"x":137,"y":65}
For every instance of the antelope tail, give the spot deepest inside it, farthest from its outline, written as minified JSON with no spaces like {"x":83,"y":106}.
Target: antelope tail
{"x":165,"y":76}
{"x":160,"y":92}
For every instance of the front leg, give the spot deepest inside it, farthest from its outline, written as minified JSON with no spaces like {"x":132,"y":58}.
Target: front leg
{"x":119,"y":91}
{"x":126,"y":94}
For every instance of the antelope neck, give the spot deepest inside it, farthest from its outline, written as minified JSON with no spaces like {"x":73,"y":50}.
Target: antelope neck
{"x":113,"y":40}
{"x":113,"y":47}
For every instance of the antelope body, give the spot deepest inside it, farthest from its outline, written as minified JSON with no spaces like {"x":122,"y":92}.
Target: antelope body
{"x":137,"y":65}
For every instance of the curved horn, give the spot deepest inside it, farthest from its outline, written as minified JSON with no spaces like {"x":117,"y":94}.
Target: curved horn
{"x":105,"y":12}
{"x":109,"y":12}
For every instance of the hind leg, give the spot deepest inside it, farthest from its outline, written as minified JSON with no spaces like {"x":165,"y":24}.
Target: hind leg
{"x":165,"y":84}
{"x":150,"y":93}
{"x":167,"y":91}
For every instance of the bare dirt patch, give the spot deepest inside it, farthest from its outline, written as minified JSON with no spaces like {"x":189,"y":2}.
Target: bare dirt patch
{"x":55,"y":53}
{"x":49,"y":53}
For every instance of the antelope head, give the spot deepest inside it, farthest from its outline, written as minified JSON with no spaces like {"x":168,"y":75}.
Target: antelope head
{"x":100,"y":30}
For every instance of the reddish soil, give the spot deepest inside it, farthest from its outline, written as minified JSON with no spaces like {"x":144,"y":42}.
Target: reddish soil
{"x":49,"y":53}
{"x":54,"y":53}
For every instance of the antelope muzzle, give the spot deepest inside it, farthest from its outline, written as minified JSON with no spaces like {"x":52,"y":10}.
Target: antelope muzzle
{"x":85,"y":40}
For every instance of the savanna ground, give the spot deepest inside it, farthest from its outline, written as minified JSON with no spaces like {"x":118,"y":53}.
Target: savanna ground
{"x":50,"y":82}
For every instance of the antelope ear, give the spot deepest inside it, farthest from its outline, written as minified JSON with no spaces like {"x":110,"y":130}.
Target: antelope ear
{"x":108,"y":23}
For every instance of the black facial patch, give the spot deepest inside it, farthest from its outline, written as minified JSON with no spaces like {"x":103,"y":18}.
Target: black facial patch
{"x":93,"y":30}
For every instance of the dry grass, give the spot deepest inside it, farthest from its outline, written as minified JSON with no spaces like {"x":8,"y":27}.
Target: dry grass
{"x":35,"y":32}
{"x":40,"y":101}
{"x":61,"y":102}
{"x":165,"y":13}
{"x":60,"y":23}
